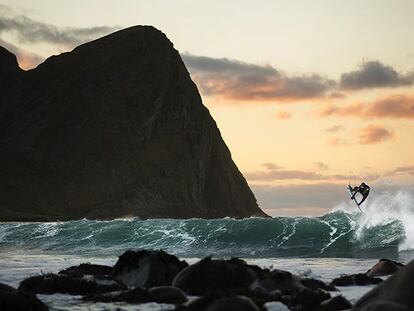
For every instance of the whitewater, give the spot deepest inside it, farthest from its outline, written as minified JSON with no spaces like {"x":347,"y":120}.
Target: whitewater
{"x":341,"y":241}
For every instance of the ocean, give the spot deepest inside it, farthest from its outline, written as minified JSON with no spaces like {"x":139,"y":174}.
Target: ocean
{"x":339,"y":242}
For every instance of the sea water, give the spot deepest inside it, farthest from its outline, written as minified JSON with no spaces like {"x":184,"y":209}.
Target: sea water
{"x":341,"y":242}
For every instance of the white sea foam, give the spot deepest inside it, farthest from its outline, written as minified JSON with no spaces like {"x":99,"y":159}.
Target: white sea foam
{"x":383,"y":208}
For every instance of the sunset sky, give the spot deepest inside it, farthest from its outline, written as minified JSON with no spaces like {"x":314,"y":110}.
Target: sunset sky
{"x":305,"y":93}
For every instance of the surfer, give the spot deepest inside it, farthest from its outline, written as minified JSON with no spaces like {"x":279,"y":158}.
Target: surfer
{"x":363,"y":189}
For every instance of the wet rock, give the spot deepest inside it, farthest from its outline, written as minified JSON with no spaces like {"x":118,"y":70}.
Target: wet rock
{"x":315,"y":284}
{"x":396,"y":291}
{"x":14,"y":300}
{"x":335,"y":304}
{"x":309,"y":299}
{"x":283,"y":281}
{"x":162,"y":294}
{"x":276,"y":306}
{"x":355,"y":279}
{"x":167,"y":294}
{"x":87,"y":269}
{"x":64,"y":284}
{"x":385,"y":306}
{"x":133,"y":296}
{"x":147,"y":268}
{"x":384,"y":267}
{"x":208,"y":276}
{"x":222,"y":303}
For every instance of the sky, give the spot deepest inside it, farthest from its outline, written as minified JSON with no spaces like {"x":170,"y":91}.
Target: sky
{"x":305,"y":93}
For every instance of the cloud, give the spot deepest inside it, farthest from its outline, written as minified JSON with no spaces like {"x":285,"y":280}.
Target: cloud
{"x":283,"y":115}
{"x":401,"y":170}
{"x":28,"y":30}
{"x":374,"y":134}
{"x":394,"y":106}
{"x":293,"y":199}
{"x":337,"y":141}
{"x":320,"y":166}
{"x":334,"y":129}
{"x":274,"y":172}
{"x":374,"y":74}
{"x":240,"y":81}
{"x":26,"y":60}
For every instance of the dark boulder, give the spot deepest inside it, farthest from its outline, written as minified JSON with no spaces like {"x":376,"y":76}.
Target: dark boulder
{"x":87,"y":269}
{"x":222,"y":303}
{"x":335,"y":304}
{"x":114,"y":128}
{"x":283,"y":281}
{"x":147,"y":268}
{"x":65,"y":284}
{"x":317,"y":284}
{"x":397,"y":291}
{"x":385,"y":306}
{"x":14,"y":300}
{"x":209,"y":276}
{"x":384,"y":267}
{"x":309,"y":299}
{"x":162,"y":294}
{"x":355,"y":279}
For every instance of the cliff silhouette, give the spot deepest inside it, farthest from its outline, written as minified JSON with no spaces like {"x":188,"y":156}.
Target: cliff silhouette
{"x":114,"y":128}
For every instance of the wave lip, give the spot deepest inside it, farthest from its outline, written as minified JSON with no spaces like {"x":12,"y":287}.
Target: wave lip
{"x":336,"y":234}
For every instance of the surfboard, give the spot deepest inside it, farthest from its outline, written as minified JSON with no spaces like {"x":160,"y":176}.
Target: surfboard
{"x":353,"y":199}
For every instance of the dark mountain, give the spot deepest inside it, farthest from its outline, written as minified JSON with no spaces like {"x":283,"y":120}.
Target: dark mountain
{"x":114,"y":128}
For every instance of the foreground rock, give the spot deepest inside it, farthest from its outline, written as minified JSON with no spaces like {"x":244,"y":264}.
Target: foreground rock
{"x":384,"y":267}
{"x":147,"y":268}
{"x":213,"y":275}
{"x":64,"y":284}
{"x":355,"y":279}
{"x":162,"y":294}
{"x":222,"y":303}
{"x":395,"y":293}
{"x":14,"y":300}
{"x":113,"y":128}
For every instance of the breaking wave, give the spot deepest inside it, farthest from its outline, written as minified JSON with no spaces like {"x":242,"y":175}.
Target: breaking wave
{"x":385,"y":229}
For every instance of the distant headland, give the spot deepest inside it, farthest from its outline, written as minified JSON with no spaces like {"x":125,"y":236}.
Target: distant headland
{"x":114,"y":128}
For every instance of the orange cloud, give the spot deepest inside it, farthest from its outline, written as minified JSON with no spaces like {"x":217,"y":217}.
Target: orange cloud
{"x":374,"y":134}
{"x":25,"y":59}
{"x":337,"y":141}
{"x":283,"y":115}
{"x":395,"y":106}
{"x":240,"y":81}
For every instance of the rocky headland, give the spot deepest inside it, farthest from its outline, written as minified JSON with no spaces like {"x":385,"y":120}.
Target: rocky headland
{"x":114,"y":128}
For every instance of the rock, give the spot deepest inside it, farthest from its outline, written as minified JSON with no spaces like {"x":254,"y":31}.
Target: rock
{"x":385,"y":306}
{"x":114,"y":128}
{"x":209,"y":276}
{"x":355,"y":279}
{"x":335,"y":304}
{"x":308,"y":298}
{"x":65,"y":284}
{"x":163,"y":294}
{"x":283,"y":281}
{"x":276,"y":306}
{"x":397,"y":291}
{"x":384,"y":267}
{"x":14,"y":300}
{"x":147,"y":268}
{"x":87,"y":269}
{"x":167,"y":294}
{"x":222,"y":303}
{"x":315,"y":284}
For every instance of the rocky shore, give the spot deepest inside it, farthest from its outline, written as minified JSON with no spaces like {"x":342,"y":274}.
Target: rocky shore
{"x":211,"y":284}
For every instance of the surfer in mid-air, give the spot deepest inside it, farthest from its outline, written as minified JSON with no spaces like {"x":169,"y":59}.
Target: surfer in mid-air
{"x":363,"y":189}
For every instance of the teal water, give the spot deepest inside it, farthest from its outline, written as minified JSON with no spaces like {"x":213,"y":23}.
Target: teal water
{"x":337,"y":234}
